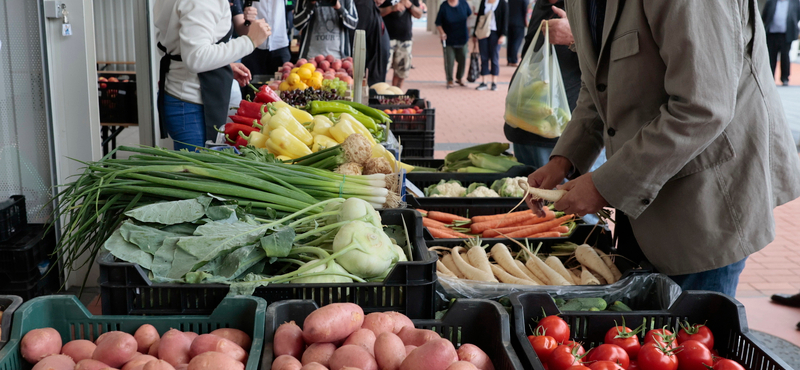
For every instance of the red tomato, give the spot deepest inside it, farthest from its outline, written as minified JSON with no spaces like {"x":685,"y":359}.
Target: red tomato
{"x":725,"y":364}
{"x":570,"y":347}
{"x":698,"y":332}
{"x":578,"y":367}
{"x":560,"y":360}
{"x":651,"y":357}
{"x":694,"y":356}
{"x":555,"y":327}
{"x":625,"y":338}
{"x":543,"y":345}
{"x":634,"y":365}
{"x":662,"y":336}
{"x":605,"y":365}
{"x":610,"y":352}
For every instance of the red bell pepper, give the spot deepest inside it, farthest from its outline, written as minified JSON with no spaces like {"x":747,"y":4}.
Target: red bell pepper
{"x":265,"y":94}
{"x":240,"y":142}
{"x":244,"y":120}
{"x":232,"y":130}
{"x":250,"y":109}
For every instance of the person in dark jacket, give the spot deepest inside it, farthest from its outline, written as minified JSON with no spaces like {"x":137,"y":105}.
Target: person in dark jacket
{"x":451,"y":22}
{"x":780,"y":20}
{"x":490,"y":46}
{"x":377,"y":39}
{"x":517,"y":21}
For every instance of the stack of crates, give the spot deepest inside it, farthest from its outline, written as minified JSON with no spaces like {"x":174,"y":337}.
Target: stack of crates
{"x":415,"y":131}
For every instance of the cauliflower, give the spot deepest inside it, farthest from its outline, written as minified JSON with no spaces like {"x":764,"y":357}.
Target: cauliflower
{"x":510,"y":187}
{"x":450,"y":188}
{"x":482,"y":192}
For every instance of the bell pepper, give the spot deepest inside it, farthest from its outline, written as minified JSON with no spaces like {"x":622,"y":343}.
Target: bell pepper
{"x":245,"y":121}
{"x":265,"y":94}
{"x":249,"y":109}
{"x":255,"y":139}
{"x":240,"y":142}
{"x":283,"y":158}
{"x":322,"y":107}
{"x":322,"y":142}
{"x":300,"y":115}
{"x":232,"y":130}
{"x":321,"y":125}
{"x":346,"y":126}
{"x":283,"y":118}
{"x":281,"y":142}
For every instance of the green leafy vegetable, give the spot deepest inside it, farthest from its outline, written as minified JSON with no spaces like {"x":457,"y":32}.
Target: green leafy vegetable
{"x":171,"y":213}
{"x":279,"y":243}
{"x":126,"y":251}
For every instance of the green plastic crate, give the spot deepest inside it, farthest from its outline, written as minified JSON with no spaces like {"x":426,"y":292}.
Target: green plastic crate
{"x":67,"y":315}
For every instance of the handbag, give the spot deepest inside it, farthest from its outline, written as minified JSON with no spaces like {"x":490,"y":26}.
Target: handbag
{"x":483,"y":25}
{"x":474,"y":67}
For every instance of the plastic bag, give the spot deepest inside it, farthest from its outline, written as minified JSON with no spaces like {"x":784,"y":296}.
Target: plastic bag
{"x":536,"y":101}
{"x":474,"y":67}
{"x":640,"y":291}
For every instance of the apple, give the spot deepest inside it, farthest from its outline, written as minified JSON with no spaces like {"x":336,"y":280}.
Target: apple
{"x":102,"y":79}
{"x":113,"y":79}
{"x":313,"y":63}
{"x":319,"y":58}
{"x":324,"y":65}
{"x":336,"y":64}
{"x":288,"y":64}
{"x":348,"y":80}
{"x":125,"y":81}
{"x":341,"y":75}
{"x":327,"y":77}
{"x":330,"y":58}
{"x":347,"y":64}
{"x":103,"y":85}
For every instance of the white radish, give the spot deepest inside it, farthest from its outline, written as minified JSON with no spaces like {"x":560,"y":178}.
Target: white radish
{"x":471,"y":273}
{"x":503,"y":257}
{"x":447,"y":260}
{"x":558,"y":267}
{"x":543,"y":194}
{"x":552,"y":276}
{"x":528,"y":272}
{"x":587,"y":278}
{"x":443,"y":270}
{"x":589,"y":258}
{"x":611,"y":266}
{"x":507,"y":278}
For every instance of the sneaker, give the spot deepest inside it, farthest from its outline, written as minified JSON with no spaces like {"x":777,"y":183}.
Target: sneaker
{"x":482,"y":87}
{"x":785,"y":83}
{"x":460,"y":82}
{"x":494,"y":86}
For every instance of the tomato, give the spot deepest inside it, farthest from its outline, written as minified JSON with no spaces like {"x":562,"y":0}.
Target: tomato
{"x":694,"y":356}
{"x":543,"y":345}
{"x":698,"y":332}
{"x":565,"y":356}
{"x":610,"y":352}
{"x":578,"y":367}
{"x":651,"y":357}
{"x":725,"y":364}
{"x":555,"y":327}
{"x":662,"y":336}
{"x":605,"y":365}
{"x":634,"y":365}
{"x":625,"y":338}
{"x":569,"y":347}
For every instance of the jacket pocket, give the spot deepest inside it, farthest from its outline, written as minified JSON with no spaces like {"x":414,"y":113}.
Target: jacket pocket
{"x":625,"y":45}
{"x":720,"y":151}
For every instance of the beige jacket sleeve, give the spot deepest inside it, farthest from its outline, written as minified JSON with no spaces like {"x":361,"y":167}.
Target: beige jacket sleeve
{"x":582,"y":139}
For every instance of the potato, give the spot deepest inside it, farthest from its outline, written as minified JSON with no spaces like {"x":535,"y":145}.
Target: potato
{"x":234,"y":335}
{"x":153,"y":351}
{"x":364,"y":338}
{"x":400,"y":321}
{"x":79,"y":349}
{"x":182,"y":367}
{"x":137,"y":361}
{"x":55,"y":362}
{"x":437,"y":354}
{"x":410,"y":348}
{"x":318,"y":352}
{"x":389,"y":351}
{"x":286,"y":362}
{"x":214,"y":361}
{"x":174,"y":347}
{"x":333,"y":322}
{"x":351,"y":355}
{"x":115,"y":348}
{"x":313,"y":366}
{"x":417,"y":337}
{"x":145,"y":336}
{"x":208,"y":342}
{"x":191,"y":335}
{"x":288,"y":340}
{"x":89,"y":364}
{"x":474,"y":355}
{"x":379,"y":323}
{"x":462,"y":365}
{"x":40,"y":343}
{"x":158,"y":365}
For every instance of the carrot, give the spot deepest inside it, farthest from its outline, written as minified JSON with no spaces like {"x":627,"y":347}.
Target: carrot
{"x":495,"y":232}
{"x":424,"y":212}
{"x":477,"y":219}
{"x":447,"y":233}
{"x":445,"y":217}
{"x":507,"y":221}
{"x":431,"y":223}
{"x":538,"y":228}
{"x":546,"y":234}
{"x":561,"y":229}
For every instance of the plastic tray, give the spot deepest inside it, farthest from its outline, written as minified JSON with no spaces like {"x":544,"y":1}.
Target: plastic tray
{"x":67,"y":315}
{"x":424,"y":121}
{"x":724,"y":315}
{"x":375,"y":98}
{"x":416,"y":143}
{"x":425,"y":179}
{"x":409,"y":288}
{"x":480,"y":322}
{"x":8,"y":304}
{"x":118,"y":102}
{"x":13,"y":217}
{"x":20,"y":259}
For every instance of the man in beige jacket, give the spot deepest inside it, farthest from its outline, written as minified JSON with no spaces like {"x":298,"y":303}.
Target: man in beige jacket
{"x":699,"y":154}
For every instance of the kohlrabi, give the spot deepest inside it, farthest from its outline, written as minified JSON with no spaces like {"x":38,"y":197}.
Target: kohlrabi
{"x":370,"y":251}
{"x":327,"y":273}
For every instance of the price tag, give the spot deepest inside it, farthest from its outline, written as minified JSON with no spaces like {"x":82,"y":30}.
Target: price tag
{"x":66,"y":30}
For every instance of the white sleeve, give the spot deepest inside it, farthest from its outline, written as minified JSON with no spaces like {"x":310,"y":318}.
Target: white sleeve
{"x":199,"y":49}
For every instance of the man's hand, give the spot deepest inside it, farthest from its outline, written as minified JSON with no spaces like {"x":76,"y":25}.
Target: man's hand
{"x":250,"y":13}
{"x":560,"y":31}
{"x":547,"y":177}
{"x":582,"y":197}
{"x":501,"y":40}
{"x":241,"y":74}
{"x":338,"y":5}
{"x":442,"y":36}
{"x":399,"y":7}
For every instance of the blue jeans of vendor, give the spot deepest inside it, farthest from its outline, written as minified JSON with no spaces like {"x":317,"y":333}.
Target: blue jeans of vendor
{"x":184,"y":122}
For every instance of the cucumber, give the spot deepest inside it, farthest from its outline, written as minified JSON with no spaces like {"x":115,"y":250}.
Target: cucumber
{"x":584,"y":304}
{"x":619,"y":307}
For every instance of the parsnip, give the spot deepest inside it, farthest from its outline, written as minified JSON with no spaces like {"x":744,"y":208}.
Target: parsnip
{"x":587,"y":278}
{"x":528,"y":272}
{"x":589,"y":258}
{"x":552,"y":276}
{"x":507,"y":278}
{"x":443,"y":270}
{"x":478,"y":258}
{"x":447,"y":260}
{"x":471,"y":273}
{"x":611,"y":266}
{"x":598,"y":277}
{"x":558,"y":267}
{"x":503,"y":257}
{"x":576,"y":276}
{"x":536,"y":270}
{"x":544,"y":194}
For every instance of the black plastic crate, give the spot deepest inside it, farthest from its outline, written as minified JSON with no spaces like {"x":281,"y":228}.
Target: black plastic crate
{"x":376,"y":99}
{"x":8,"y":304}
{"x":424,"y":121}
{"x":36,"y":286}
{"x":425,"y":179}
{"x":480,"y":322}
{"x":20,"y":258}
{"x":409,"y":288}
{"x":13,"y":217}
{"x":466,"y":207}
{"x":724,"y":315}
{"x":118,"y":102}
{"x":416,"y":143}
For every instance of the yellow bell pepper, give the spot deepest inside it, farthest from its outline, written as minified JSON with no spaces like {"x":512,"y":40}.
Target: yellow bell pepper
{"x":283,"y":118}
{"x":256,"y":139}
{"x":282,"y":142}
{"x":282,"y":158}
{"x":300,"y":115}
{"x":347,"y":126}
{"x":322,"y":142}
{"x":322,"y":125}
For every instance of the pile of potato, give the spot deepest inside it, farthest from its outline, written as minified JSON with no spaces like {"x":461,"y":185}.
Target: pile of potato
{"x":339,"y":337}
{"x":144,"y":350}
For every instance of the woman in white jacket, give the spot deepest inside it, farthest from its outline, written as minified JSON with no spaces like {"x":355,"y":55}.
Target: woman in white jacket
{"x":195,"y":71}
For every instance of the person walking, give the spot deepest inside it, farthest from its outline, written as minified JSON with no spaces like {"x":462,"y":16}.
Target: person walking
{"x":325,"y":27}
{"x":451,"y":22}
{"x":273,"y":53}
{"x":517,"y":22}
{"x":376,"y":39}
{"x":780,"y":18}
{"x":399,"y":24}
{"x":490,"y":46}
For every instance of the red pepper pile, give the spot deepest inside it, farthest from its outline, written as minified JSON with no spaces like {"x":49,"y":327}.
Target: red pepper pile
{"x":248,"y":117}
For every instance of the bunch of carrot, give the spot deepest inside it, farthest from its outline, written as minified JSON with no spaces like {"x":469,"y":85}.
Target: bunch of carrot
{"x":522,"y":224}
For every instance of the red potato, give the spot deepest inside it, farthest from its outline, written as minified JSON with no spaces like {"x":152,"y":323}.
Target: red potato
{"x":474,"y":355}
{"x":332,"y":323}
{"x":153,"y":351}
{"x":318,"y":352}
{"x":410,"y":348}
{"x":174,"y":347}
{"x":158,"y":365}
{"x":289,"y":340}
{"x":139,"y":360}
{"x":400,"y":321}
{"x":182,"y":367}
{"x":364,"y":338}
{"x":145,"y":336}
{"x":55,"y":362}
{"x":313,"y":366}
{"x":417,"y":337}
{"x":89,"y":364}
{"x":214,"y":361}
{"x":379,"y":323}
{"x":115,"y":348}
{"x":389,"y":351}
{"x":209,"y":342}
{"x":286,"y":362}
{"x":191,"y":335}
{"x":40,"y":343}
{"x":234,"y":335}
{"x":462,"y":365}
{"x":330,"y":58}
{"x":352,"y":355}
{"x":437,"y":354}
{"x":79,"y":349}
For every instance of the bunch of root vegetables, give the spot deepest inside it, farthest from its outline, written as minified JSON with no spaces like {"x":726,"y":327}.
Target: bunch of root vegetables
{"x":522,"y":224}
{"x":340,"y":337}
{"x":584,"y":265}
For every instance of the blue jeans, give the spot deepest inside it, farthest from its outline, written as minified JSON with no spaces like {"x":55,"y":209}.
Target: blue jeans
{"x":490,"y":50}
{"x":532,"y":154}
{"x":185,"y":123}
{"x":723,"y":280}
